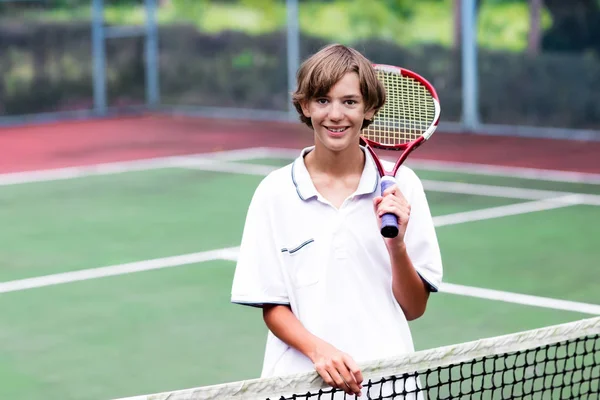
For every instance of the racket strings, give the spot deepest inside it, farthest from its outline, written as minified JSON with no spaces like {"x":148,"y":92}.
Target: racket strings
{"x":407,"y":113}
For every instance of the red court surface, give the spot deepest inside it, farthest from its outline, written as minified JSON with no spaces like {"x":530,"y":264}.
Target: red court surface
{"x":64,"y":144}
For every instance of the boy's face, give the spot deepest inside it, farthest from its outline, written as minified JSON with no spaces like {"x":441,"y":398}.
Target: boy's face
{"x":337,"y":118}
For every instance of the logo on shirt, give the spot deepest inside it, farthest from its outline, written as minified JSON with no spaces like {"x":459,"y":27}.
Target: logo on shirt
{"x":295,"y":249}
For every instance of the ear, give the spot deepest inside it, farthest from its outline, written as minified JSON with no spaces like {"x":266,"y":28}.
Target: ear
{"x":369,"y":114}
{"x":305,"y":109}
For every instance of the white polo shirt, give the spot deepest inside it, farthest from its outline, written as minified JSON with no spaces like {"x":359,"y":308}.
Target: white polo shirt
{"x":331,"y":265}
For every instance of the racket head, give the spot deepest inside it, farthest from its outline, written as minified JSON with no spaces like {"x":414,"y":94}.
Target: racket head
{"x":410,"y":114}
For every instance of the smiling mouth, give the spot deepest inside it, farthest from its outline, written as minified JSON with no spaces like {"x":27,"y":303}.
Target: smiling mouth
{"x":337,"y":130}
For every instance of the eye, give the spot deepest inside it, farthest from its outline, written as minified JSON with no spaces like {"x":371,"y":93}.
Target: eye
{"x":351,"y":102}
{"x":322,"y":101}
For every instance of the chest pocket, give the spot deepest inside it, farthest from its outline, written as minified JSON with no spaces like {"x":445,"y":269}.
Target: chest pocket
{"x":301,"y":260}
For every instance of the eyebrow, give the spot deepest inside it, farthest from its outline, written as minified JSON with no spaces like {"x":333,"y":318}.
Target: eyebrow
{"x":352,"y":97}
{"x":346,"y":97}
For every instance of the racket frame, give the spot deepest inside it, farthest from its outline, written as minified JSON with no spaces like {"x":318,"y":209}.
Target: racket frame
{"x":389,"y":227}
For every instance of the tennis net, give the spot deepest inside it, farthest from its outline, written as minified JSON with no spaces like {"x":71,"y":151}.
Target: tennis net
{"x":556,"y":362}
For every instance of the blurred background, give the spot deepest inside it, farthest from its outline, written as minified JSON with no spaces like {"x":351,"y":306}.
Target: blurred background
{"x":129,"y":128}
{"x":494,"y":62}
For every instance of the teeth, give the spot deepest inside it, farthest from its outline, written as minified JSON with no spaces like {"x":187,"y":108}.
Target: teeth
{"x":338,"y":130}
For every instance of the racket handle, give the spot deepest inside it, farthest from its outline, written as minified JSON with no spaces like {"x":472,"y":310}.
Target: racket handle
{"x":389,"y":222}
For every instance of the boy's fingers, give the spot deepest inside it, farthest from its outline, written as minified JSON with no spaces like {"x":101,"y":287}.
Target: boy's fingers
{"x":355,"y":375}
{"x":396,"y":209}
{"x":325,"y":375}
{"x":352,"y":385}
{"x":395,"y":191}
{"x":376,"y":203}
{"x":390,"y":191}
{"x":339,"y":380}
{"x":399,"y":199}
{"x":354,"y":369}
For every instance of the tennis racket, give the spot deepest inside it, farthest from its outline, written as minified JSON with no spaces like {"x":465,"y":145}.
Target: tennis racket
{"x":408,"y":118}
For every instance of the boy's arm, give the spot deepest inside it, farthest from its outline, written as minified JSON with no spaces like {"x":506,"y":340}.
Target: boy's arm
{"x":336,"y":368}
{"x":409,"y":289}
{"x":407,"y":286}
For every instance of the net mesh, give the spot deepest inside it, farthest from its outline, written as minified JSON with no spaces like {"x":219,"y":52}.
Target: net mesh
{"x":566,"y":370}
{"x":409,"y":110}
{"x":558,"y":362}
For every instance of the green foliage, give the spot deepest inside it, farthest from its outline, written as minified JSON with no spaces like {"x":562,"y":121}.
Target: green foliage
{"x":495,"y":32}
{"x":503,"y":24}
{"x":399,"y":7}
{"x":349,"y":21}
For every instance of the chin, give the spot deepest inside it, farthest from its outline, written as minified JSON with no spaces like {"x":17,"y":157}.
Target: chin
{"x":338,"y":146}
{"x":337,"y":143}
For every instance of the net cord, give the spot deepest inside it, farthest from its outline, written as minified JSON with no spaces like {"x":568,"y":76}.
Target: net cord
{"x":275,"y":387}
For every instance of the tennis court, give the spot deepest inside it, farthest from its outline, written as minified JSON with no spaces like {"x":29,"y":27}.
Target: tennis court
{"x":116,"y":278}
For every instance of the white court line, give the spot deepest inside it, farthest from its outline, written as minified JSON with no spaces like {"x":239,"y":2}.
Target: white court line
{"x":505,"y":192}
{"x":112,"y":168}
{"x":476,"y":169}
{"x":549,"y":199}
{"x":231,"y":253}
{"x":510,"y":172}
{"x":230,"y":167}
{"x":114,"y":270}
{"x":517,"y":298}
{"x":504,"y":211}
{"x":436,"y":186}
{"x":265,"y":152}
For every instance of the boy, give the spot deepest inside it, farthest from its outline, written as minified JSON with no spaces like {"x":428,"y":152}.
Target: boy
{"x":333,"y":291}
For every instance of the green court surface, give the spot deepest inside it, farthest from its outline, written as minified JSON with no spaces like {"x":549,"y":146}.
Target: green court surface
{"x":174,"y":328}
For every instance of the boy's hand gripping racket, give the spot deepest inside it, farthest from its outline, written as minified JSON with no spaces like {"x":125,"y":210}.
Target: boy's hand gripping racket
{"x":408,"y":118}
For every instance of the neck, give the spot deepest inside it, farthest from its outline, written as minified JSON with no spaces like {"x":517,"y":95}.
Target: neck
{"x":346,"y":162}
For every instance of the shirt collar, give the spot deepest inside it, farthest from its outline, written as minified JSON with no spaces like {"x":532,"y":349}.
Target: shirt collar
{"x":305,"y":188}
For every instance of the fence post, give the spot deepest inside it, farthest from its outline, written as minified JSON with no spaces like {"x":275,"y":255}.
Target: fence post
{"x":470,"y":106}
{"x":98,"y":57}
{"x":293,"y":51}
{"x":152,"y":56}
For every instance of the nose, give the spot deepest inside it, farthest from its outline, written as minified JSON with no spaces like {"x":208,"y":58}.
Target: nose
{"x":336,"y":112}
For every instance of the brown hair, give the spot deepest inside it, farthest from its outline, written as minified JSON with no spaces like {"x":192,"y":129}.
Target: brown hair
{"x":319,"y":73}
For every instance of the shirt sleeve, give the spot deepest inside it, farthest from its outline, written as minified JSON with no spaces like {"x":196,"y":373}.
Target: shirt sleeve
{"x":258,"y":279}
{"x":421,"y":238}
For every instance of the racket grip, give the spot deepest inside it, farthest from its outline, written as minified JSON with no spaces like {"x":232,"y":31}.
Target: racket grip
{"x":389,"y":222}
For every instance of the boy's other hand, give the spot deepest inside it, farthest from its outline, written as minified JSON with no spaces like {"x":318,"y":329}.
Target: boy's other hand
{"x":337,"y":368}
